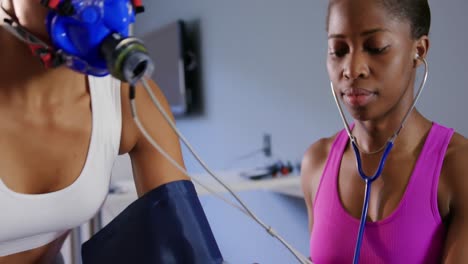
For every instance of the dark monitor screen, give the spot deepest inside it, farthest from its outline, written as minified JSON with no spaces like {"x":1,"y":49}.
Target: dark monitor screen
{"x":166,"y":47}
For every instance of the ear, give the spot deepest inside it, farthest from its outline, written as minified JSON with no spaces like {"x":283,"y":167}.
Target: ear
{"x":421,"y":48}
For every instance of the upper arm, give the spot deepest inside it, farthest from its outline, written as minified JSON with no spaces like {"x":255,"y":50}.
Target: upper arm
{"x":456,"y":241}
{"x":312,"y":166}
{"x":150,"y":168}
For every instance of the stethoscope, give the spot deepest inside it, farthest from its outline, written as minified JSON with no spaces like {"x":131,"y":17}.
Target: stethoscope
{"x":386,"y":150}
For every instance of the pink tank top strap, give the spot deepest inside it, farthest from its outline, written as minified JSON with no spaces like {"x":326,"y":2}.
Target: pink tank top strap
{"x":426,"y":173}
{"x":334,"y":157}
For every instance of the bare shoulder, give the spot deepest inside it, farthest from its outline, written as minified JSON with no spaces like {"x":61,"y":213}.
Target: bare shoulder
{"x":148,"y":114}
{"x":456,"y":167}
{"x":456,"y":158}
{"x":313,"y":164}
{"x":316,"y":154}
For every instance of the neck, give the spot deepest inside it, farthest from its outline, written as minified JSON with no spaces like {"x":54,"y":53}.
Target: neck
{"x":24,"y":79}
{"x":26,"y":82}
{"x":372,"y":135}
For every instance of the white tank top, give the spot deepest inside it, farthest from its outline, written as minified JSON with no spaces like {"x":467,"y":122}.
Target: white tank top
{"x":30,"y":221}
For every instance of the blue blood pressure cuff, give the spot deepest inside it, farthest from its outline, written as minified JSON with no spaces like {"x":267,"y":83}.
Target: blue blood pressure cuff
{"x":166,"y":225}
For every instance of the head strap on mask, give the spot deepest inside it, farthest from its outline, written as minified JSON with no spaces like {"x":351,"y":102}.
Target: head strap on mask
{"x":64,"y":7}
{"x":138,"y":5}
{"x":47,"y":55}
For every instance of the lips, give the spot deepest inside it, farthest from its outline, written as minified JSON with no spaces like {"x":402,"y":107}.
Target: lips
{"x":358,"y":97}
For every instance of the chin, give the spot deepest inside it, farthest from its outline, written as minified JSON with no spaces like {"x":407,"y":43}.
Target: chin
{"x":361,"y":114}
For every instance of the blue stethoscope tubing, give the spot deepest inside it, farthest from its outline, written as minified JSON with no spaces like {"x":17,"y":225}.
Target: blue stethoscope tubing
{"x":368,"y":180}
{"x":389,"y":145}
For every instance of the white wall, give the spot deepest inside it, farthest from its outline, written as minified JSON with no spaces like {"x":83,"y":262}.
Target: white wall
{"x":260,"y":74}
{"x":263,"y":71}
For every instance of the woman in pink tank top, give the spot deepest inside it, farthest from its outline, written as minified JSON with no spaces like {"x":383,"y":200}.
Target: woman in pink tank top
{"x":419,"y":204}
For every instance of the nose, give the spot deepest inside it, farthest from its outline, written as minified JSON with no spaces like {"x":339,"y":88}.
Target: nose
{"x":356,"y":66}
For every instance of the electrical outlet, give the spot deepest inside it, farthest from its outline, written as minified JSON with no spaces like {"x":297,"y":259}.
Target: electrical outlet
{"x":267,"y":144}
